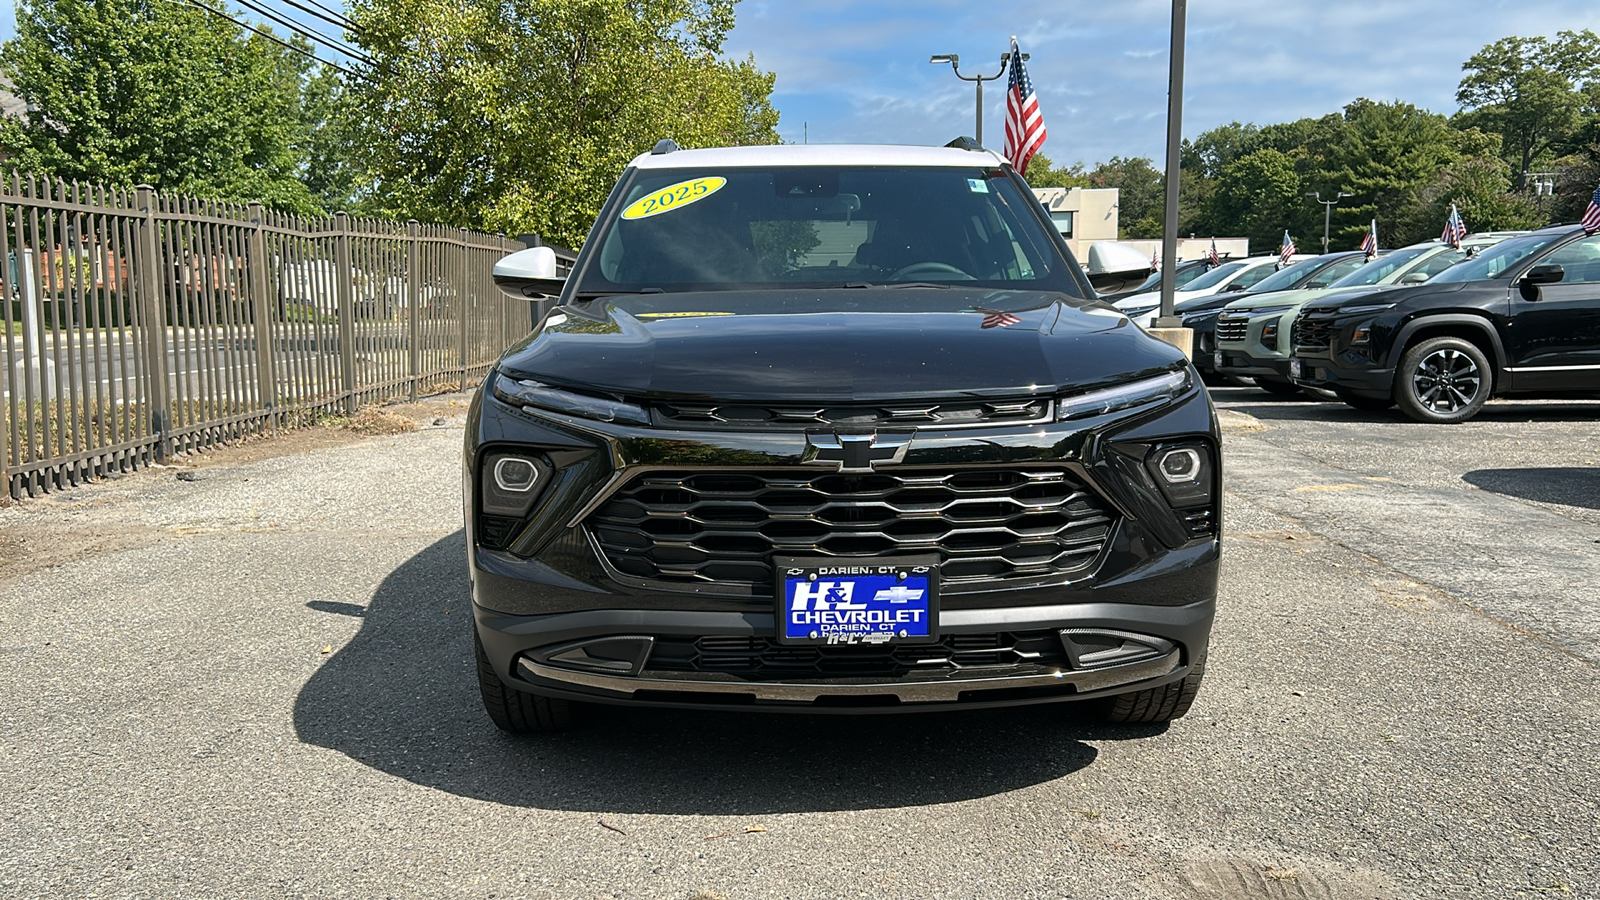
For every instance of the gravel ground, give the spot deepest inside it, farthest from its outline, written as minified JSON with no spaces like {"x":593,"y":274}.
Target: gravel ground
{"x":257,"y":683}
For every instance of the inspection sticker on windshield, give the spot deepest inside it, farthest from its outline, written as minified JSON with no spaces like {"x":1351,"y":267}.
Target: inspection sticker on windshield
{"x":860,"y":601}
{"x":977,"y":185}
{"x":674,"y":196}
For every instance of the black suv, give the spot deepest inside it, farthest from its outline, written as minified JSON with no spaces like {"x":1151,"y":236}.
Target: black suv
{"x":1523,"y":318}
{"x":835,"y":429}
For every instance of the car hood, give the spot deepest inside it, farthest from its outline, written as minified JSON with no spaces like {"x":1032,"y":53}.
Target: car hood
{"x":1385,"y":293}
{"x":1276,"y":299}
{"x":836,"y":345}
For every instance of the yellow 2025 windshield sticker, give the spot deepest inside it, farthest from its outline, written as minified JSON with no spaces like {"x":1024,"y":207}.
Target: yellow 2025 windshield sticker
{"x":674,"y":196}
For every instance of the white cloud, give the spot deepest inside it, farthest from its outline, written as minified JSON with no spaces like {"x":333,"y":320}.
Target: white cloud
{"x":859,"y":71}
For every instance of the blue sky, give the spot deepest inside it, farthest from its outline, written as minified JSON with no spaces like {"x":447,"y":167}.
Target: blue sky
{"x":858,"y":71}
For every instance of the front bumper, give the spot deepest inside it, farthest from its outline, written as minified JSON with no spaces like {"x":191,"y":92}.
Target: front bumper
{"x":1318,"y":369}
{"x":1172,"y":638}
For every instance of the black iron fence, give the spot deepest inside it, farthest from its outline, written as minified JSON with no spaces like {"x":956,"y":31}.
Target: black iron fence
{"x":137,"y":325}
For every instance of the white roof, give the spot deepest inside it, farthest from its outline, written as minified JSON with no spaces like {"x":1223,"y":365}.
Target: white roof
{"x":817,"y":155}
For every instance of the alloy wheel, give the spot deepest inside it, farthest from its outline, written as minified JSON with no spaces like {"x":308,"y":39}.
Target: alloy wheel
{"x":1447,"y":380}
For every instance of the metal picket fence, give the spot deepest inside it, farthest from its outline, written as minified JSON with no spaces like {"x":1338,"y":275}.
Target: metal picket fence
{"x":138,"y":325}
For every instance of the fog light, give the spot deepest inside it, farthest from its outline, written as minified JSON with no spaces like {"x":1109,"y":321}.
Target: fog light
{"x":1185,"y":473}
{"x":1180,"y":466}
{"x":515,"y":474}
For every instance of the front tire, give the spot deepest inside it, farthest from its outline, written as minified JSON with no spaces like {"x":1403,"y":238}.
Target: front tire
{"x":518,"y":712}
{"x":1443,"y":380}
{"x":1158,"y":704}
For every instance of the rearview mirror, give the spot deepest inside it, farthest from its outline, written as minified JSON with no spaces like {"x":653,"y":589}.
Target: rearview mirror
{"x":529,"y":273}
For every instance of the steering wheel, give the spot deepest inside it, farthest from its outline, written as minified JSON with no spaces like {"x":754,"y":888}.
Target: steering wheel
{"x":927,"y":269}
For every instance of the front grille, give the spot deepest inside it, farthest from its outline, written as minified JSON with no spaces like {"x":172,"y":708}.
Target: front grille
{"x":765,"y":658}
{"x":1312,"y":333}
{"x":953,"y":414}
{"x":693,"y":529}
{"x":1230,"y":328}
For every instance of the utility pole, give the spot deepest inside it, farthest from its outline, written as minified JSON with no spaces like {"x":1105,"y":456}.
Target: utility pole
{"x":955,"y":62}
{"x":1327,"y":212}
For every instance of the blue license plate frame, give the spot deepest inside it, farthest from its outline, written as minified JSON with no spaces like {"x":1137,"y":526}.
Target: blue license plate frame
{"x":857,"y":601}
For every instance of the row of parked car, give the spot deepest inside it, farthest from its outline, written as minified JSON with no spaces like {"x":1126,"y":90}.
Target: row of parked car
{"x":1432,"y":329}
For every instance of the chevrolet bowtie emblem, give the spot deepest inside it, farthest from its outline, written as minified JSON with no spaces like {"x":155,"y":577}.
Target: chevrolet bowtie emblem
{"x":856,"y":452}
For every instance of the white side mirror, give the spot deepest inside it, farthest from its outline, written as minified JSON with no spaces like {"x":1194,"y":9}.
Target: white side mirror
{"x":529,"y":272}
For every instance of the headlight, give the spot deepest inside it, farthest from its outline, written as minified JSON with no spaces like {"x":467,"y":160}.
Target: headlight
{"x":537,"y":395}
{"x":1162,"y":388}
{"x":1362,"y":334}
{"x":510,"y":481}
{"x":1269,"y":335}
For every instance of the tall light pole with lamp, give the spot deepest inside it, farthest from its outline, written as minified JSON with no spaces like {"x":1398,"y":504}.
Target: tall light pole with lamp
{"x":955,"y":66}
{"x":1327,"y":212}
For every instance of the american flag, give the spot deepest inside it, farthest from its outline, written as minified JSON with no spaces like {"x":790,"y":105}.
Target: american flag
{"x":1212,"y":256}
{"x":1024,"y":125}
{"x":1287,"y":250}
{"x":1369,"y":243}
{"x":1591,"y":216}
{"x":1155,"y":260}
{"x":1454,"y":229}
{"x":992,"y":319}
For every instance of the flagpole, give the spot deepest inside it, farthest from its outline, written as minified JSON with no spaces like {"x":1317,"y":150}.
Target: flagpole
{"x":1169,"y":232}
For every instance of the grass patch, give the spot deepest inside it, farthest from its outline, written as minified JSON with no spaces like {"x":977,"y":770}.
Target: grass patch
{"x":376,"y":421}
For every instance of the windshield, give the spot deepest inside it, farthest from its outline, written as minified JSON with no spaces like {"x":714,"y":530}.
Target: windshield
{"x":1283,"y":279}
{"x":823,"y":227}
{"x":1495,"y":260}
{"x":1380,"y":268}
{"x":1215,"y":276}
{"x":1185,"y":275}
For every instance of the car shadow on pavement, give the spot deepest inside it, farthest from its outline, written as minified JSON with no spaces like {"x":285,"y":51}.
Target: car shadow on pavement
{"x":1570,"y":486}
{"x":402,"y":697}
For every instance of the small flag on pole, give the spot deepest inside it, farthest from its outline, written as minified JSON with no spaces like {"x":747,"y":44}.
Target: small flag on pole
{"x":1591,"y":216}
{"x":1369,"y":244}
{"x":1454,"y":229}
{"x":1287,"y":250}
{"x":1212,"y":256}
{"x":1155,"y":260}
{"x":1024,"y":125}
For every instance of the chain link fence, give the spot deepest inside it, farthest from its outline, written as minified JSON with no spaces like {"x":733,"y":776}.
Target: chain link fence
{"x":138,"y":325}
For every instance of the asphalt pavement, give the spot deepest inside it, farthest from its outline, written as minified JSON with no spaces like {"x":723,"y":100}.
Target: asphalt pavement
{"x":255,"y":681}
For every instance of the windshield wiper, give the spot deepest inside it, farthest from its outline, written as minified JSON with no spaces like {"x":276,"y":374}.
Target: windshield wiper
{"x":895,"y":285}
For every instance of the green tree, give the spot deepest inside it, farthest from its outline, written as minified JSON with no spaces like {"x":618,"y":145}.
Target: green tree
{"x":150,"y":91}
{"x":1384,"y":154}
{"x":1532,"y":91}
{"x":1141,"y":201}
{"x":1480,"y":186}
{"x":1042,"y":173}
{"x":1259,"y":196}
{"x":518,"y":115}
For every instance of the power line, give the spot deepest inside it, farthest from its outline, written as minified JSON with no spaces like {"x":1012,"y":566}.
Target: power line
{"x":297,"y":28}
{"x":353,"y":73}
{"x":334,"y":19}
{"x":348,"y":25}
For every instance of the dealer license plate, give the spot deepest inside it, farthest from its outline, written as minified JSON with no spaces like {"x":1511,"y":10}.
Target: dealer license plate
{"x":1216,"y":359}
{"x":843,"y":601}
{"x":1294,"y":368}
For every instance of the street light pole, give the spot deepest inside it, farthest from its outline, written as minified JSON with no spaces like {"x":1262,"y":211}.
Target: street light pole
{"x":1169,"y":232}
{"x":955,"y":62}
{"x":1327,"y":212}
